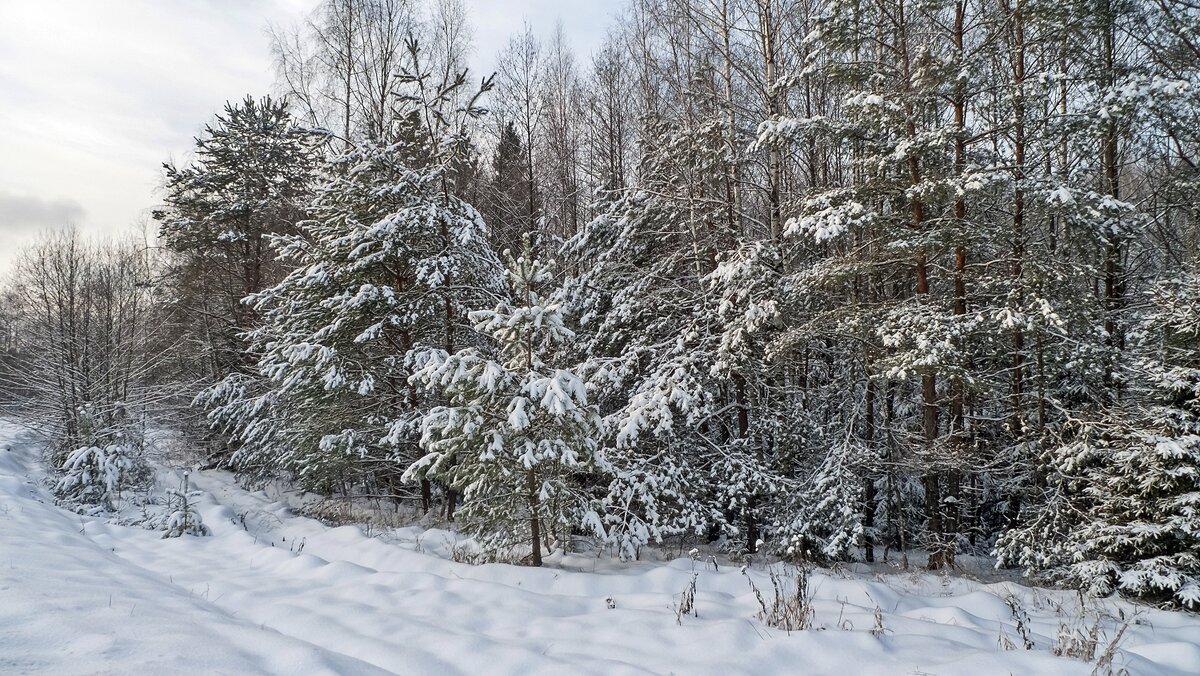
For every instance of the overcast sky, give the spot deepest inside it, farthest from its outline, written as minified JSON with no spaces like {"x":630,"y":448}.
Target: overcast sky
{"x":96,"y":94}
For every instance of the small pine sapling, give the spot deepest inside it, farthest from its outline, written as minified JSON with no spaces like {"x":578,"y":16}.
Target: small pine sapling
{"x":184,"y":519}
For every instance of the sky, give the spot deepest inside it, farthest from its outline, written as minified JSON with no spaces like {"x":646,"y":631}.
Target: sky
{"x":96,"y":94}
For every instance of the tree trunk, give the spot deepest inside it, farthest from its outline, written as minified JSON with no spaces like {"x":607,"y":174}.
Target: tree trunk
{"x":535,"y":524}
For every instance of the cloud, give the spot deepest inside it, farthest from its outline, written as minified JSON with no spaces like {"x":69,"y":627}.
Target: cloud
{"x":584,"y":23}
{"x":22,"y":217}
{"x":19,"y":212}
{"x":96,"y":95}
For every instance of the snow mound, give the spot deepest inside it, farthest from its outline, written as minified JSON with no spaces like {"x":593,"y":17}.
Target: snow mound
{"x":271,"y":592}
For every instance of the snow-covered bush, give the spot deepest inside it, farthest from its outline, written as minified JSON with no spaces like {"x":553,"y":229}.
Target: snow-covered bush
{"x":96,"y":475}
{"x":183,"y":519}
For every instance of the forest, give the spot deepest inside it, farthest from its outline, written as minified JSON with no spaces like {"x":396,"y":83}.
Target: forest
{"x":822,"y":281}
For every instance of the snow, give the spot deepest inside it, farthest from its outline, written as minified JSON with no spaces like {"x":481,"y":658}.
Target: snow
{"x":272,"y":592}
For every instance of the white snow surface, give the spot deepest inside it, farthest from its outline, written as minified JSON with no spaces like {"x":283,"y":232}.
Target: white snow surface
{"x":80,"y":595}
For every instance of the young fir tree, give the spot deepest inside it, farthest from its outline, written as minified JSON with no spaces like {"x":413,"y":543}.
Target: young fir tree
{"x":95,"y":476}
{"x":516,"y":435}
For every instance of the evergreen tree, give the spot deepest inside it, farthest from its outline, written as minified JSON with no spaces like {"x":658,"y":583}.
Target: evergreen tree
{"x":390,"y":264}
{"x":251,"y":177}
{"x":516,"y":435}
{"x":682,"y":392}
{"x":509,"y":194}
{"x":1121,"y":505}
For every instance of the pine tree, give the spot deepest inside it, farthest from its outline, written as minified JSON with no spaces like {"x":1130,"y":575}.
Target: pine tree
{"x":517,"y":435}
{"x":372,"y":283}
{"x":251,"y":177}
{"x":390,"y":264}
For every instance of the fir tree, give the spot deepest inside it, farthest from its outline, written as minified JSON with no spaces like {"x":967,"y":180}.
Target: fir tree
{"x":509,"y":194}
{"x":1121,"y":505}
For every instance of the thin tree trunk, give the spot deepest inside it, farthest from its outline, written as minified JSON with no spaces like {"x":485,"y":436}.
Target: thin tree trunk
{"x":535,"y":524}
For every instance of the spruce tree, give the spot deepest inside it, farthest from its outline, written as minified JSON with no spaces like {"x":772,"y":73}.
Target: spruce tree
{"x":1121,"y":506}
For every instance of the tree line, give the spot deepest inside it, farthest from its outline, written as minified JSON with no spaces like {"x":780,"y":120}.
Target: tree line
{"x":827,"y":280}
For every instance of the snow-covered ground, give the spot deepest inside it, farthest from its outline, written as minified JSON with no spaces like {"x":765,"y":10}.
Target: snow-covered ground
{"x":271,"y":592}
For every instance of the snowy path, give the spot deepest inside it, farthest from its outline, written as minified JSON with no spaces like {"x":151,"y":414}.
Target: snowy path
{"x":70,"y":605}
{"x":78,"y":595}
